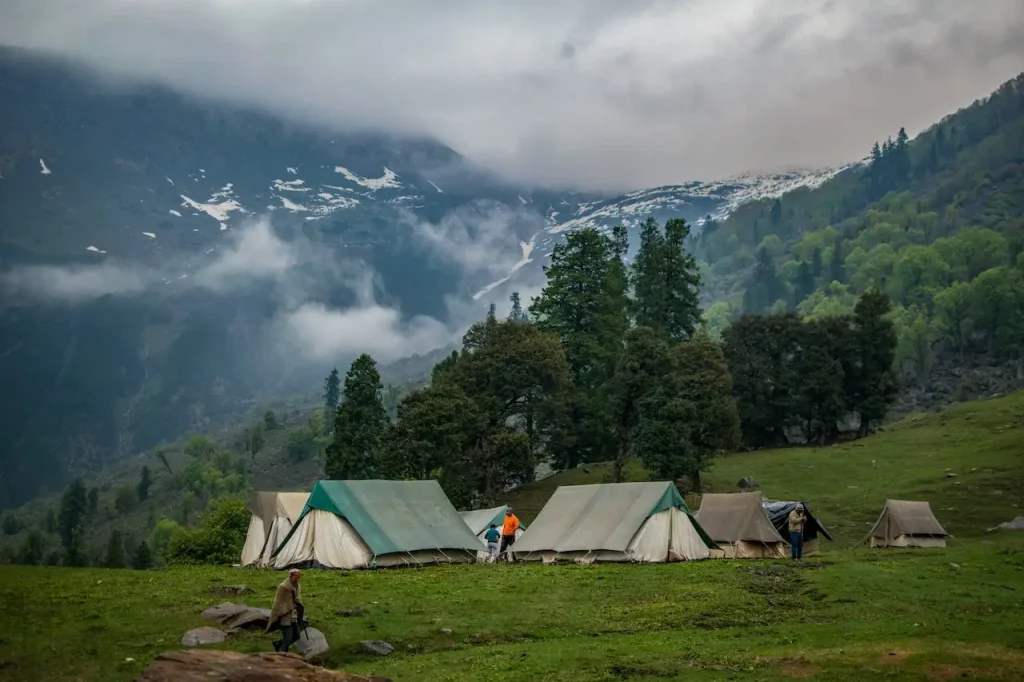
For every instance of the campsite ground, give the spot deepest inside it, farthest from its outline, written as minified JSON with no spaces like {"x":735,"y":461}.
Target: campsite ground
{"x":852,"y":614}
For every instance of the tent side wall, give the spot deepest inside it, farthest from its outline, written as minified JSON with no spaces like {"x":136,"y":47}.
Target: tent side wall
{"x":255,"y":541}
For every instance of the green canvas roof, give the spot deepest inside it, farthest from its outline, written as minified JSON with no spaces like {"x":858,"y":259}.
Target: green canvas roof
{"x":394,"y":516}
{"x":480,"y":520}
{"x":604,"y":516}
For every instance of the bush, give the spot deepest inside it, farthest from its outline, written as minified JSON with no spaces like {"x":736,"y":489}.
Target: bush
{"x":160,"y":538}
{"x":11,"y":525}
{"x":218,"y":540}
{"x":301,"y":443}
{"x":126,"y":499}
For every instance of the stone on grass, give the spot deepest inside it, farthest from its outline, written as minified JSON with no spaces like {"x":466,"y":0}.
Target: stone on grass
{"x":377,"y":647}
{"x":350,"y":613}
{"x":748,"y":482}
{"x":203,"y":635}
{"x":231,"y":589}
{"x":312,"y":645}
{"x":238,"y":616}
{"x":205,"y":665}
{"x":446,"y":631}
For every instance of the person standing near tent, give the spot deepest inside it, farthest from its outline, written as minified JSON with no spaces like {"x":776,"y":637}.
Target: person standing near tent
{"x":492,"y":536}
{"x":797,"y":518}
{"x":285,"y":611}
{"x":508,"y":533}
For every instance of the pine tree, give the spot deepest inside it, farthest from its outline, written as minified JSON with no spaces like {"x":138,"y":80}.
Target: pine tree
{"x":32,"y":550}
{"x":92,"y":503}
{"x":584,"y":305}
{"x":516,"y":313}
{"x":816,"y":262}
{"x":681,"y":281}
{"x":145,"y":481}
{"x":143,"y":558}
{"x":332,"y":395}
{"x":803,"y":285}
{"x":775,"y":214}
{"x":648,"y":278}
{"x":764,"y":286}
{"x":836,"y":269}
{"x":359,"y":425}
{"x":874,"y":384}
{"x":73,"y":513}
{"x":115,"y":550}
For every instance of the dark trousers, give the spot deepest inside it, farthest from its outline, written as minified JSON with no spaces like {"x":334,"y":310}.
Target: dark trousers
{"x":796,"y":544}
{"x":506,"y":544}
{"x":289,"y":635}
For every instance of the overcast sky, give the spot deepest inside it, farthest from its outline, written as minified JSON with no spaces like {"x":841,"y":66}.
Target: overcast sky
{"x":592,"y":93}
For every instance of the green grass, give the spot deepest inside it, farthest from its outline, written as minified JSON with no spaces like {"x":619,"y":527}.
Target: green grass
{"x":852,"y":614}
{"x":838,"y":618}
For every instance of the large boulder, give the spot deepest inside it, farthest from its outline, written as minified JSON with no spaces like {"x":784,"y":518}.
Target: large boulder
{"x":204,"y":635}
{"x":312,"y":645}
{"x":205,"y":665}
{"x":238,"y":616}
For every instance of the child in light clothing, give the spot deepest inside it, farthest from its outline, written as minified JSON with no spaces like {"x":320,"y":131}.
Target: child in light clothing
{"x":492,"y":536}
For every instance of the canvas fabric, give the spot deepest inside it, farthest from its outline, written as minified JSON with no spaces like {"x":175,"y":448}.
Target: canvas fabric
{"x":646,"y":522}
{"x":359,"y":524}
{"x":273,"y":514}
{"x":905,"y":523}
{"x":479,"y":520}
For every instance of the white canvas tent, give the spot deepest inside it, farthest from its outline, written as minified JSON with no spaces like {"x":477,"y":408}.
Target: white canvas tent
{"x":907,"y":524}
{"x":642,"y":522}
{"x":272,"y":517}
{"x":363,"y":524}
{"x":740,"y":527}
{"x":479,"y":520}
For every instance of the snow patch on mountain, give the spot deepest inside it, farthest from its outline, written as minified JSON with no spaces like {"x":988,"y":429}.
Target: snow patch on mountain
{"x":293,"y":171}
{"x":150,"y":235}
{"x":292,"y":206}
{"x":527,"y":248}
{"x":439,"y":190}
{"x":94,"y":249}
{"x":218,"y":206}
{"x":45,"y":170}
{"x":174,"y":213}
{"x":389,"y":179}
{"x":289,"y":186}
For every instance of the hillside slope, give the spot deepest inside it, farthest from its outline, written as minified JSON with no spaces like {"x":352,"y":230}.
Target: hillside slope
{"x":967,"y":461}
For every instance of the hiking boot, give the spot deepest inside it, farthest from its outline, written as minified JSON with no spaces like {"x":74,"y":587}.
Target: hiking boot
{"x":277,"y":645}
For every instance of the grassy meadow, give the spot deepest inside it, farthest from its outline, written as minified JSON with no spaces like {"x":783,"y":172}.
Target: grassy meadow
{"x":851,"y":614}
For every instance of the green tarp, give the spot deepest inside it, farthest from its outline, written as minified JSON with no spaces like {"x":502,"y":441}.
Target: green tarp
{"x":394,"y":516}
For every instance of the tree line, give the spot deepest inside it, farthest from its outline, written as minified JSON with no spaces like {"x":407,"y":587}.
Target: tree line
{"x":611,"y":362}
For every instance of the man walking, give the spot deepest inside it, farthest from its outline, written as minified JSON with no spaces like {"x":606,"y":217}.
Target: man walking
{"x":286,"y":611}
{"x":797,"y":518}
{"x":508,"y":533}
{"x":492,"y":536}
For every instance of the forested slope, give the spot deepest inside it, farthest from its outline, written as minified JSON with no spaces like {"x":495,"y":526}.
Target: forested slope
{"x":936,"y":222}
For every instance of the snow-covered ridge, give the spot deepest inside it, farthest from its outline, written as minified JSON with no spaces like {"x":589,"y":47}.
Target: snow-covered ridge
{"x":389,"y":179}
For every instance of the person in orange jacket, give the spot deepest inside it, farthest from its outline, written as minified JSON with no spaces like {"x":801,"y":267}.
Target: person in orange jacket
{"x":508,"y":533}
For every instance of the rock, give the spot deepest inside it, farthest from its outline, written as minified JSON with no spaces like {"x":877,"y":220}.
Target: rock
{"x":377,"y":647}
{"x":203,"y":635}
{"x":950,"y":475}
{"x":205,"y":665}
{"x":446,"y":631}
{"x":1016,"y":524}
{"x":955,"y":567}
{"x":238,"y":616}
{"x":748,"y":482}
{"x":231,"y":589}
{"x":312,"y":645}
{"x":350,"y":613}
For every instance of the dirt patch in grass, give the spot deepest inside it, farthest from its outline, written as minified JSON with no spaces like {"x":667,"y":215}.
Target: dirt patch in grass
{"x":894,"y":657}
{"x":795,"y":668}
{"x":948,"y":673}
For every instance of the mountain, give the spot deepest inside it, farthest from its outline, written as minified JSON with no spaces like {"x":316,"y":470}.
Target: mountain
{"x":169,"y":264}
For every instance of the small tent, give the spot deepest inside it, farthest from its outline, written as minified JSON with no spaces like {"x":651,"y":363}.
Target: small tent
{"x":739,"y":525}
{"x":362,"y":524}
{"x":907,"y":524}
{"x":643,"y":522}
{"x":479,"y":520}
{"x":778,"y":514}
{"x":272,"y":517}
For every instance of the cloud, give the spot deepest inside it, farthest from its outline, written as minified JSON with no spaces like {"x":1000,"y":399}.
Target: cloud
{"x":74,"y":284}
{"x":591,"y":93}
{"x":324,"y":332}
{"x":302,"y":276}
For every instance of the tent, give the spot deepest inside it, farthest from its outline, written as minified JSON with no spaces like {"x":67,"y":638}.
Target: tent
{"x":643,"y":522}
{"x":479,"y":520}
{"x":272,"y":517}
{"x":907,"y":524}
{"x":362,"y":524}
{"x":740,"y":526}
{"x":778,"y":514}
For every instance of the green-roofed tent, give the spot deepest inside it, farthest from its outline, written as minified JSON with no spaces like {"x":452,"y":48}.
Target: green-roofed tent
{"x":643,"y":522}
{"x":479,"y":520}
{"x":361,"y":524}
